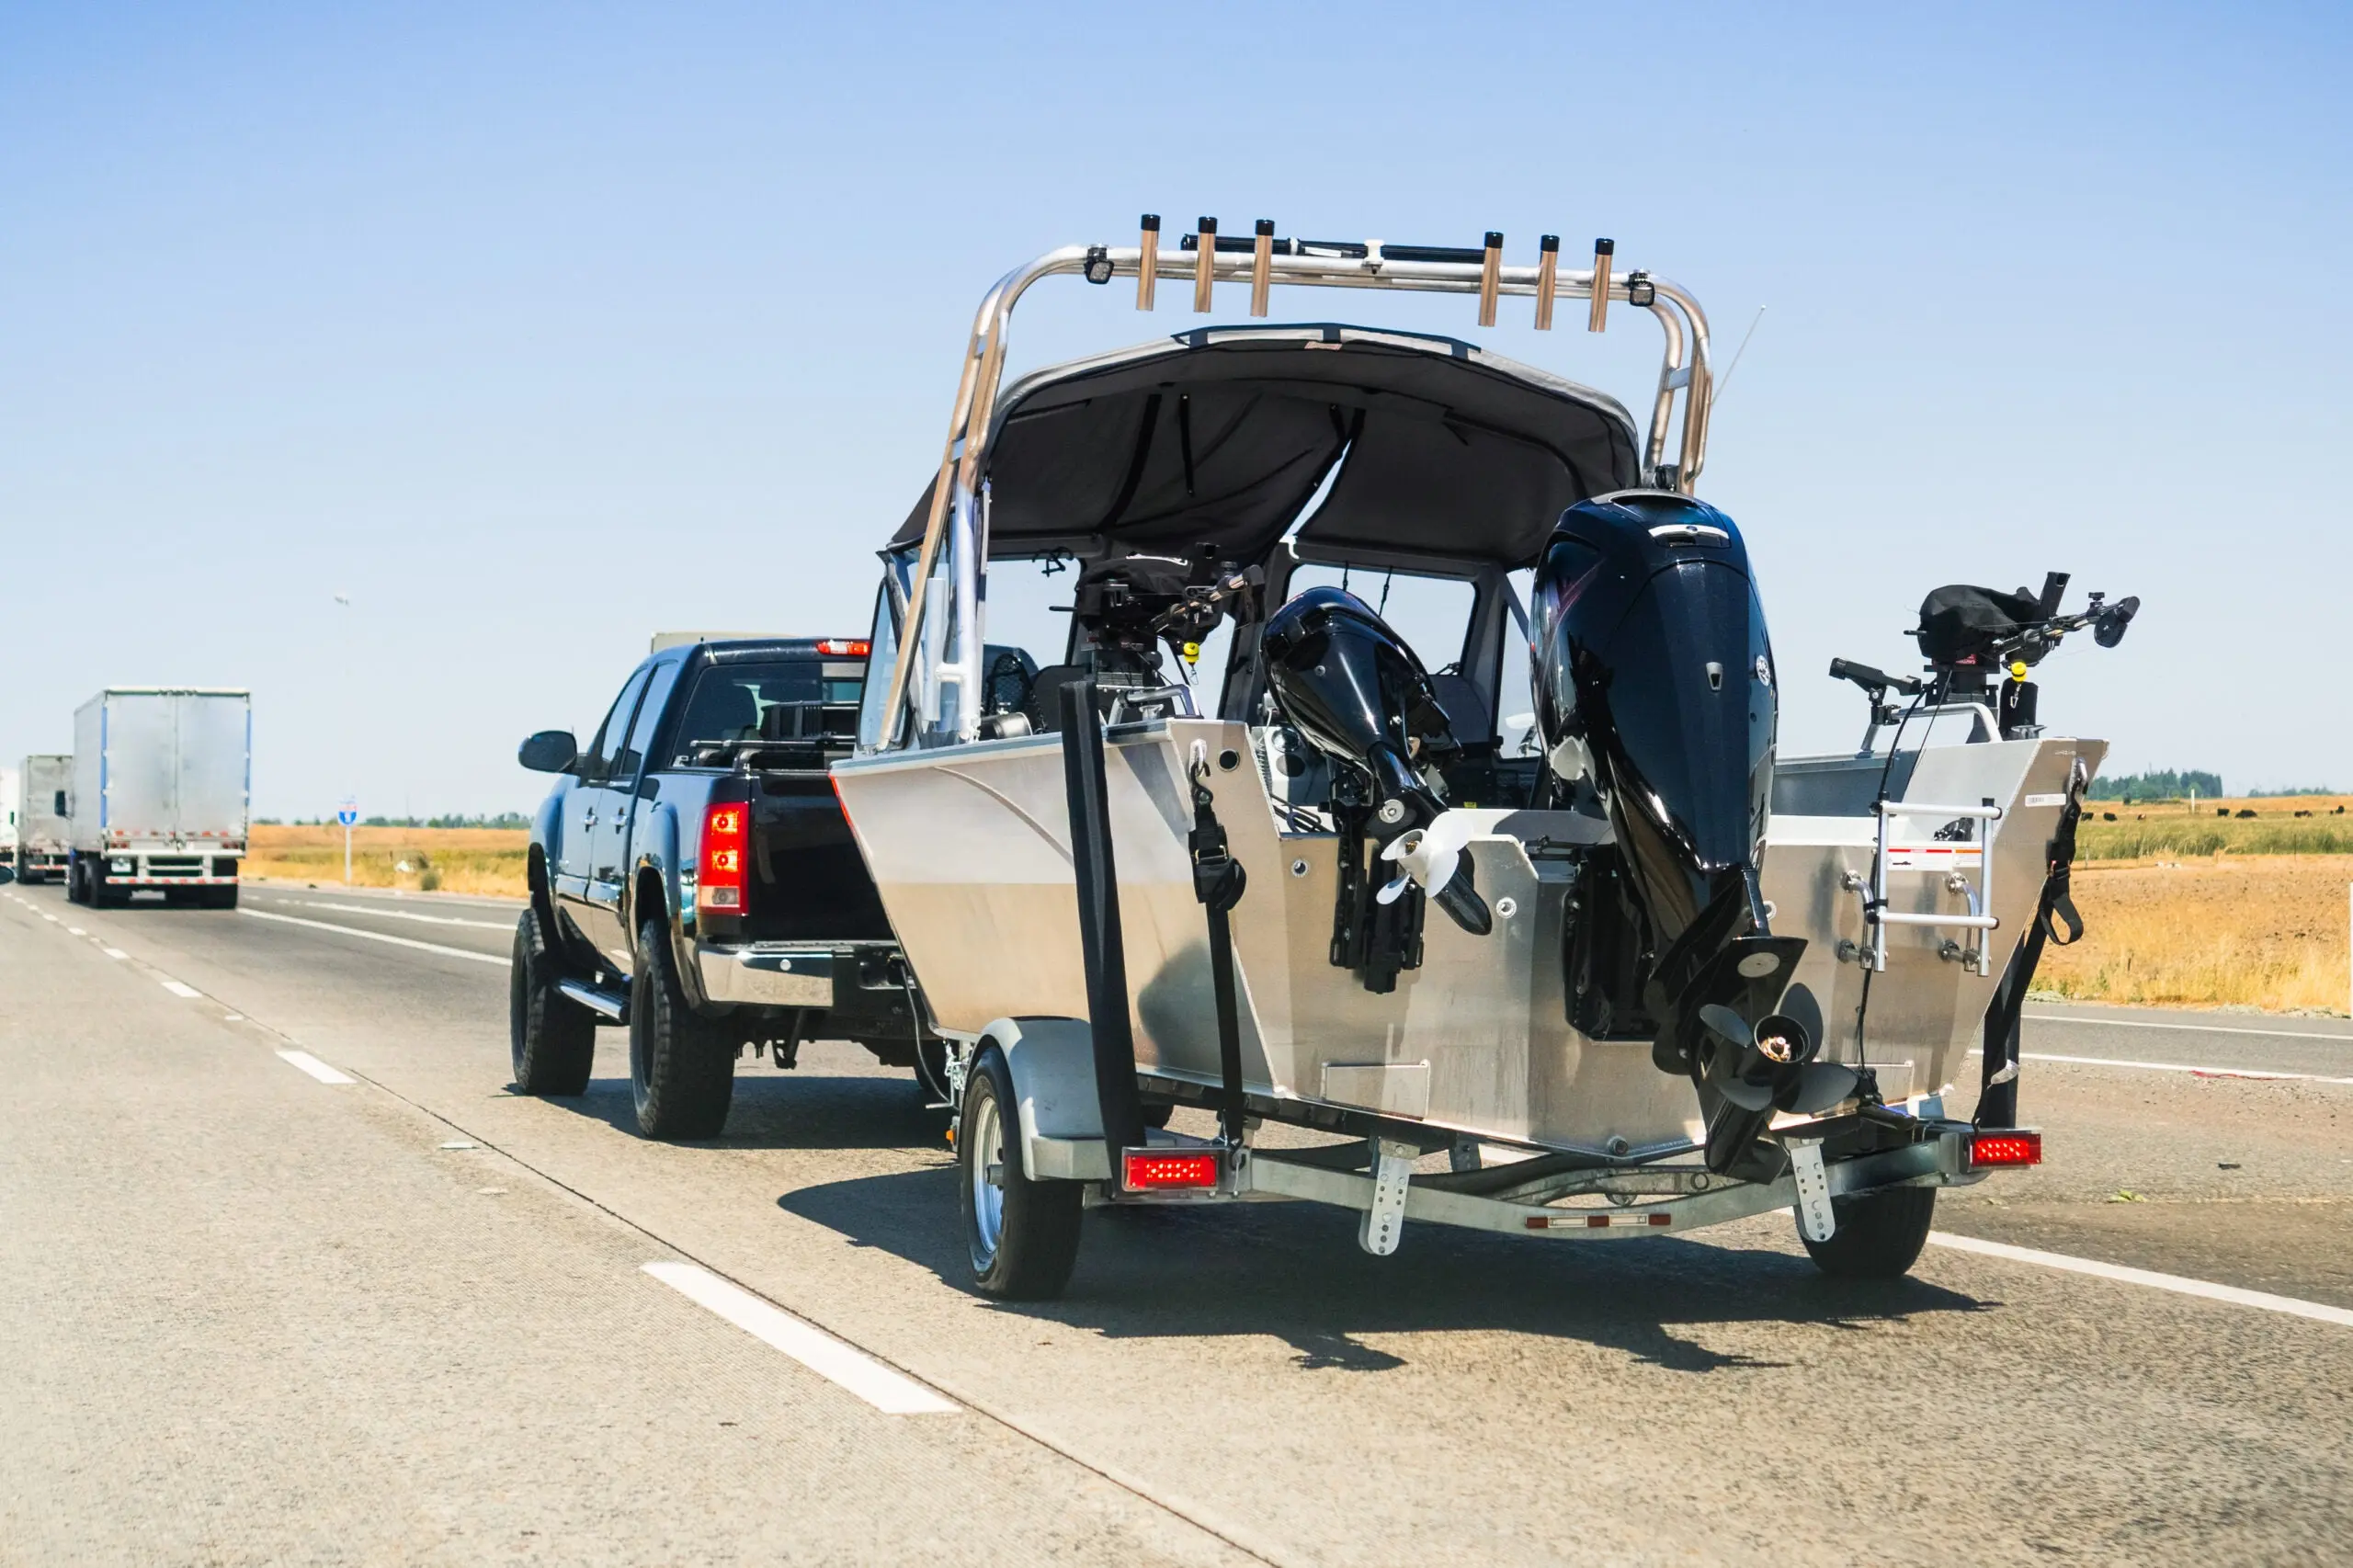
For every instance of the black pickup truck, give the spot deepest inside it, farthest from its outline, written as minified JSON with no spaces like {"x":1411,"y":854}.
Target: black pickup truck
{"x":693,"y":879}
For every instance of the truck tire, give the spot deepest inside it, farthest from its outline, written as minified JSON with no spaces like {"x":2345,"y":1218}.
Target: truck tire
{"x":681,"y":1067}
{"x":222,"y":898}
{"x":1022,"y":1235}
{"x":1880,"y":1234}
{"x":551,"y":1039}
{"x":78,"y":882}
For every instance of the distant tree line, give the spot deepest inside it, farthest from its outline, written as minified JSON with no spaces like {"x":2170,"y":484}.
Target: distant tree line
{"x":2160,"y":784}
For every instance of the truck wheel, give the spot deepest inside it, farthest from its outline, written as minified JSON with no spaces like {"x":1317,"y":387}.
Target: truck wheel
{"x":551,"y":1039}
{"x":681,"y":1068}
{"x":1022,"y":1235}
{"x":77,"y":882}
{"x":1880,"y":1234}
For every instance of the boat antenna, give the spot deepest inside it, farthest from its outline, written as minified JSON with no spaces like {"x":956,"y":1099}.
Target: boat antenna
{"x":1718,"y":396}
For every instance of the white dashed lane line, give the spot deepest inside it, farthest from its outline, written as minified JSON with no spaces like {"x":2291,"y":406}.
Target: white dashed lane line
{"x":179,"y":988}
{"x":114,"y":952}
{"x":314,"y":1067}
{"x":2318,"y":1312}
{"x":2071,"y":1021}
{"x":2191,"y":1068}
{"x":890,"y":1392}
{"x":499,"y":959}
{"x":408,"y":914}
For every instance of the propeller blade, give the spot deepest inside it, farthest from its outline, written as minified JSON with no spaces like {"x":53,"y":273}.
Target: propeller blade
{"x":1728,"y":1023}
{"x":1818,"y":1087}
{"x":1393,"y":889}
{"x":1744,"y":1093}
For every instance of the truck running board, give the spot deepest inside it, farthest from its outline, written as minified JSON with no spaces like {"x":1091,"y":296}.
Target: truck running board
{"x":605,"y":1002}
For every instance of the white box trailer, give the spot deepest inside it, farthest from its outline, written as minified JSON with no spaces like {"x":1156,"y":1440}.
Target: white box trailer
{"x":9,"y":828}
{"x":43,"y":830}
{"x":161,"y":788}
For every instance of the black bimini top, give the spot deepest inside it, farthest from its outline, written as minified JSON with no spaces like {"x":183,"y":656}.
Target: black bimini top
{"x":1223,"y":435}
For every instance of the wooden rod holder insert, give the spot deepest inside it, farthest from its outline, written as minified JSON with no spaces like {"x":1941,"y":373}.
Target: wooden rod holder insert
{"x":1548,"y":280}
{"x":1204,"y":264}
{"x":1490,"y":277}
{"x":1602,"y":251}
{"x":1148,"y":269}
{"x":1262,"y":266}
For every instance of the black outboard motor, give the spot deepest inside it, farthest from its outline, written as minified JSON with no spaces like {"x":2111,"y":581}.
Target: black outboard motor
{"x":1353,"y":688}
{"x":1655,"y":688}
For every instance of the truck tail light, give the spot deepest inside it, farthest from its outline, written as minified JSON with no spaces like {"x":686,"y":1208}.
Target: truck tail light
{"x":726,"y":836}
{"x":1165,"y":1170}
{"x":2010,"y":1148}
{"x":845,"y":647}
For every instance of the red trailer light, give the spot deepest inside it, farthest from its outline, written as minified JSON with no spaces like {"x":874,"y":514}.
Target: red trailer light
{"x":845,"y":647}
{"x":1162,"y":1170}
{"x":2011,"y":1148}
{"x":725,"y":829}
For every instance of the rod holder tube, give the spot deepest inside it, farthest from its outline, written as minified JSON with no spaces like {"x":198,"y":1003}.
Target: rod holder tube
{"x":1262,"y":266}
{"x":1204,"y":264}
{"x":1602,"y":251}
{"x":1490,"y":277}
{"x":1148,"y":261}
{"x":1548,"y":280}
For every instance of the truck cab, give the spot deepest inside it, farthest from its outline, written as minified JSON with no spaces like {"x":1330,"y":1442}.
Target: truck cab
{"x":693,"y":879}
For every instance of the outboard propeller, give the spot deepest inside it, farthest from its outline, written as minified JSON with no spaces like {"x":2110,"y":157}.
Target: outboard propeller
{"x":1431,"y":858}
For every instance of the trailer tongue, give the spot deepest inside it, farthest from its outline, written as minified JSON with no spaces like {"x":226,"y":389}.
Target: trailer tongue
{"x":1673,"y":979}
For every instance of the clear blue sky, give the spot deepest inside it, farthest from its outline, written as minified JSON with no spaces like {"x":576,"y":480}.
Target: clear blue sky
{"x":534,"y":329}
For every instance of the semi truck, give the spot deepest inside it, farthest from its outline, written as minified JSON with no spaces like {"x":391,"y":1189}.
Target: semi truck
{"x":162,"y":784}
{"x":39,"y":800}
{"x":9,"y":828}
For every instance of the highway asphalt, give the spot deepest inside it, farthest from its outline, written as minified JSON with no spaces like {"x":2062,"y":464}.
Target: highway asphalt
{"x":251,"y":1313}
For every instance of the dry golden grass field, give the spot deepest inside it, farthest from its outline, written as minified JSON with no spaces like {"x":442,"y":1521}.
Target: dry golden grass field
{"x":425,"y":860}
{"x":2180,"y":909}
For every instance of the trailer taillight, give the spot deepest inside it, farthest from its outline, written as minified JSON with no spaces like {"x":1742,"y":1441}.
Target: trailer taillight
{"x":845,"y":647}
{"x":2011,"y":1147}
{"x":1163,"y":1170}
{"x":725,"y":835}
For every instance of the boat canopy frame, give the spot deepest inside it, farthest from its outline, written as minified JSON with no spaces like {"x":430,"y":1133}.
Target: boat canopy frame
{"x":928,"y":611}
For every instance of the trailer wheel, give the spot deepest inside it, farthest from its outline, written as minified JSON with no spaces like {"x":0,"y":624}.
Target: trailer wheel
{"x":551,"y":1038}
{"x":1880,"y":1234}
{"x":1022,"y":1235}
{"x":78,"y":882}
{"x":681,"y":1068}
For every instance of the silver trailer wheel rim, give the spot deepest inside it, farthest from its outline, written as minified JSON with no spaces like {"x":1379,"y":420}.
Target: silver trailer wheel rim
{"x":988,"y":1180}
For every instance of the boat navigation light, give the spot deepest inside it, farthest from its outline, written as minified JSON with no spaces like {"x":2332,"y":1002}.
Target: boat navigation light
{"x":1602,"y":251}
{"x":1262,"y":266}
{"x":1148,"y":267}
{"x":1548,"y":280}
{"x":1204,"y":264}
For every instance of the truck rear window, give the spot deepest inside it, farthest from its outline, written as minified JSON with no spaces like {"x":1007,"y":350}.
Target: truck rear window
{"x":729,"y":699}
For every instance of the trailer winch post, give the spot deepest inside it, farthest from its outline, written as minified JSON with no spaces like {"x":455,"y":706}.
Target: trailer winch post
{"x":1218,"y":883}
{"x":1101,"y":945}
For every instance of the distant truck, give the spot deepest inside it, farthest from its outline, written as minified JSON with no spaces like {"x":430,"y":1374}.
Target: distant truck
{"x":42,"y":787}
{"x":693,"y":879}
{"x":160,"y":795}
{"x":8,"y":829}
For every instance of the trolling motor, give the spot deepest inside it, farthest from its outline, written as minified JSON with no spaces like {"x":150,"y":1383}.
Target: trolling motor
{"x":1655,"y":692}
{"x":1966,"y":633}
{"x":1354,"y":688}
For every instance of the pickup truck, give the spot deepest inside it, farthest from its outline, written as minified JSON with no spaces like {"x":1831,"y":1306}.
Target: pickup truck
{"x":693,"y":879}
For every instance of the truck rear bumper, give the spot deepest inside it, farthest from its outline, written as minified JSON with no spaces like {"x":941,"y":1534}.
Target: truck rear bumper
{"x":780,"y":976}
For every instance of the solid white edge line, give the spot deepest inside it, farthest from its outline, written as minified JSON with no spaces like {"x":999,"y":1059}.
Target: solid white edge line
{"x":314,"y":1067}
{"x":2263,"y":1072}
{"x":501,"y":960}
{"x":2187,"y":1028}
{"x":2318,"y":1312}
{"x":179,"y":988}
{"x":892,"y":1393}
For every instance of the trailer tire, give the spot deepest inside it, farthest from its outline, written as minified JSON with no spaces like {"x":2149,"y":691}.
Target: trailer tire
{"x":222,"y":898}
{"x":1880,"y":1234}
{"x":78,"y":882}
{"x":681,"y":1068}
{"x":551,"y":1037}
{"x":1022,"y":1236}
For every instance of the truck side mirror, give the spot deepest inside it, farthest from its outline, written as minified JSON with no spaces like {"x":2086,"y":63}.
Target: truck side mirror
{"x":550,"y":751}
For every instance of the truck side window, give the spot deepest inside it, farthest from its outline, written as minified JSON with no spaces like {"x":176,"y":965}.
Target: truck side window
{"x":595,"y":766}
{"x":649,"y":717}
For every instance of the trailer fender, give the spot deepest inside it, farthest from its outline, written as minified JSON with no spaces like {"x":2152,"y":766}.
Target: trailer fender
{"x":1052,"y":1063}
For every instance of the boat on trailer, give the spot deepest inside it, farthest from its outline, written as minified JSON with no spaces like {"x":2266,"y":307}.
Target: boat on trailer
{"x":1606,"y":968}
